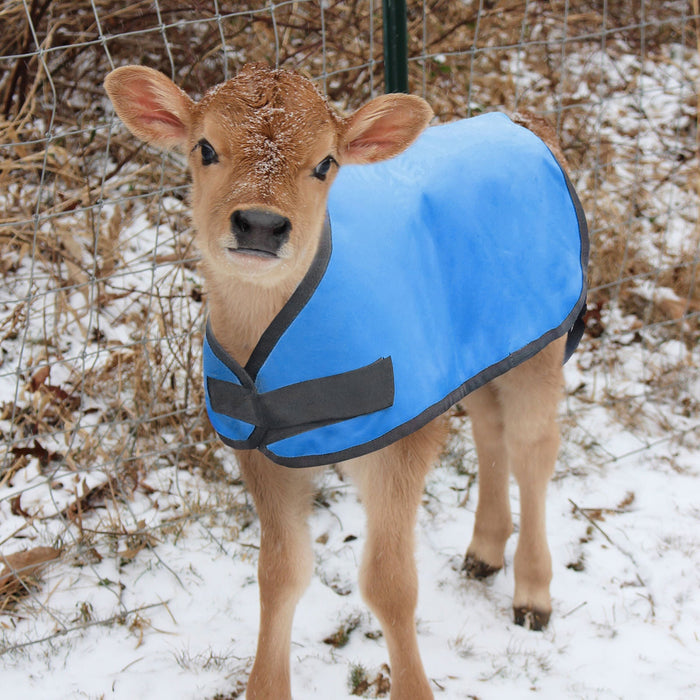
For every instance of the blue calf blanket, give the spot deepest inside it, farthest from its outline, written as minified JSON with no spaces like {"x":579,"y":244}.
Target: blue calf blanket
{"x":437,"y":271}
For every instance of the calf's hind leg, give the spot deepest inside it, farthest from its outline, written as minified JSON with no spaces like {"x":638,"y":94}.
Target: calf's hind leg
{"x":514,"y":421}
{"x":492,"y":524}
{"x":529,"y":396}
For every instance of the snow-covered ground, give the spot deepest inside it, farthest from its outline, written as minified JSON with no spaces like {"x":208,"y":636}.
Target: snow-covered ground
{"x":625,"y":536}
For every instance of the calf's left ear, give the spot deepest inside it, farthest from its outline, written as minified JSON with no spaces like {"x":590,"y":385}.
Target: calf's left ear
{"x":383,"y":128}
{"x":153,"y":108}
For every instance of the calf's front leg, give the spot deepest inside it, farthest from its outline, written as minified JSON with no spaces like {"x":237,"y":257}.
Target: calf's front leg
{"x":391,"y":486}
{"x":282,"y":499}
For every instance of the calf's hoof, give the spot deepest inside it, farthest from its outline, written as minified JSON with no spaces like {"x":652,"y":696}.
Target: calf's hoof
{"x":530,"y":618}
{"x":477,"y":569}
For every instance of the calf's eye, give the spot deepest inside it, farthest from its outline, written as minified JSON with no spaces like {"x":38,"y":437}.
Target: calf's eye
{"x":321,"y":170}
{"x":208,"y":153}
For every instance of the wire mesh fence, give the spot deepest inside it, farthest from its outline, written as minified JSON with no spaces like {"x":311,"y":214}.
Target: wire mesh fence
{"x":106,"y":451}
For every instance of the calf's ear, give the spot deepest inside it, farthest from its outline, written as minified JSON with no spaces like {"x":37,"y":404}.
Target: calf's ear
{"x":151,"y":106}
{"x":383,"y":128}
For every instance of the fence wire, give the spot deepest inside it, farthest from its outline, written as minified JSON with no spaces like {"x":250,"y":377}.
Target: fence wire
{"x":104,"y":439}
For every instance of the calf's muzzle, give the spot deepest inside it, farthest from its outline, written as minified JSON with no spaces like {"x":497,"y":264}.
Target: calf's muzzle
{"x":259,"y":232}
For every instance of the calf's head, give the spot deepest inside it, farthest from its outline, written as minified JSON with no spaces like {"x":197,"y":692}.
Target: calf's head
{"x":263,"y":149}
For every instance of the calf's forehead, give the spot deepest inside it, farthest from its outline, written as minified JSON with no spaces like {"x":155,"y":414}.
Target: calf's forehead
{"x":272,"y":112}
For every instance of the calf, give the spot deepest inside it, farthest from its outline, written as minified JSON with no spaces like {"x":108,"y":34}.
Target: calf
{"x":305,"y":364}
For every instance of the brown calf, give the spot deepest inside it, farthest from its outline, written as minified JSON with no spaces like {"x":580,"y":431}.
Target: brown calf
{"x":266,"y":144}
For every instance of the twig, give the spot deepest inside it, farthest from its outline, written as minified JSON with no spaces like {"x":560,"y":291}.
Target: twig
{"x":628,"y":554}
{"x":60,"y":633}
{"x":573,"y":610}
{"x":580,"y":510}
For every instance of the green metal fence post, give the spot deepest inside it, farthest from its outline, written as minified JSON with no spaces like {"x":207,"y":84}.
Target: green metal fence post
{"x":395,"y":46}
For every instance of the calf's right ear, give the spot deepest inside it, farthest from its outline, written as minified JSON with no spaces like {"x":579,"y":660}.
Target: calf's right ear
{"x":383,"y":128}
{"x":151,"y":106}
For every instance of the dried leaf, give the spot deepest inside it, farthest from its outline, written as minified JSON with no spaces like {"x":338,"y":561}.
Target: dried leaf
{"x":16,"y":507}
{"x":627,"y":501}
{"x":130,"y":553}
{"x":25,"y":563}
{"x":19,"y":570}
{"x":72,"y":403}
{"x":38,"y":451}
{"x":40,"y":377}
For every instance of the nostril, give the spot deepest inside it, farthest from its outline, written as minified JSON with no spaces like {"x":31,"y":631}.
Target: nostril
{"x":282,"y":229}
{"x":240,"y":223}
